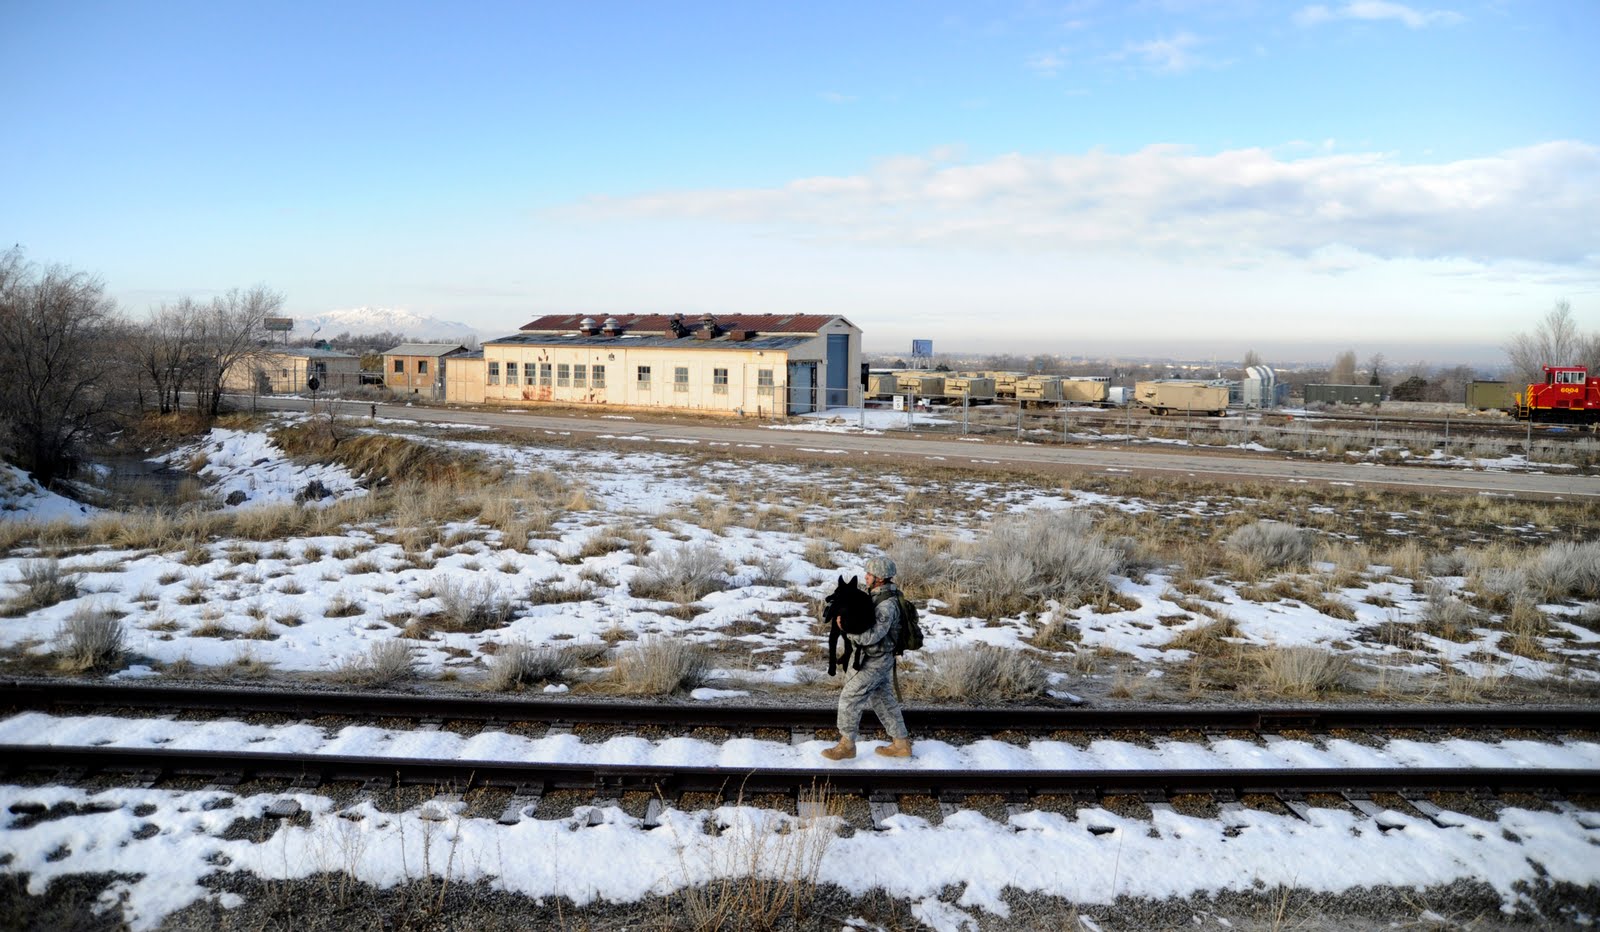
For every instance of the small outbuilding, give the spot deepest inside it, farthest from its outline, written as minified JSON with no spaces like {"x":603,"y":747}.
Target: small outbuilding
{"x":413,"y":368}
{"x":289,"y":370}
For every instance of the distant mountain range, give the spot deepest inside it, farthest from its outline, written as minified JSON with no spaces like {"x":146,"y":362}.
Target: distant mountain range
{"x":359,"y":320}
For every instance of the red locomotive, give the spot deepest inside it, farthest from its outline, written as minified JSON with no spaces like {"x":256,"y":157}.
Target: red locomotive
{"x":1567,"y":394}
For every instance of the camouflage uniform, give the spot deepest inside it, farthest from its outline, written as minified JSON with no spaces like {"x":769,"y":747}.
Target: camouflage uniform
{"x":873,"y":684}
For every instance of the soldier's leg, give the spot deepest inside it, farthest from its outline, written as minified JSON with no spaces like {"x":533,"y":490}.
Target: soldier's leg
{"x":887,"y":707}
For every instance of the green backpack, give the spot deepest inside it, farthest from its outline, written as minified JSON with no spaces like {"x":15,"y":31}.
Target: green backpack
{"x":909,"y":636}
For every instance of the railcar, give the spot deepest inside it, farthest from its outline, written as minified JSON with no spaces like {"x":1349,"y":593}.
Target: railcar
{"x":1567,"y":395}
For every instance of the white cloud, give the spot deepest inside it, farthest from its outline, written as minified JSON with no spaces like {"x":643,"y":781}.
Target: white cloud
{"x":1173,"y":54}
{"x":1533,"y":205}
{"x":1376,"y":10}
{"x":1046,"y":64}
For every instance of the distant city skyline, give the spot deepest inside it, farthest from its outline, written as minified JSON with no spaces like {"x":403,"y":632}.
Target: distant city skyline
{"x":1173,"y":177}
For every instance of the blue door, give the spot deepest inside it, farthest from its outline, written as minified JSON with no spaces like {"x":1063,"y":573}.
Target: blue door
{"x":838,"y":394}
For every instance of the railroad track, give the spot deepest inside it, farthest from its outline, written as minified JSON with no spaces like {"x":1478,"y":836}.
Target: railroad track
{"x":48,"y":696}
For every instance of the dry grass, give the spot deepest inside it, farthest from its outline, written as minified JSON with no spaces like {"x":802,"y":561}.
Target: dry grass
{"x":761,"y":875}
{"x":44,"y":583}
{"x":521,"y":664}
{"x":1058,"y":634}
{"x":660,"y":666}
{"x":1446,"y":616}
{"x":92,"y":639}
{"x":980,"y":673}
{"x":1207,"y":640}
{"x":1300,"y":672}
{"x":682,"y":574}
{"x":385,"y":663}
{"x":472,"y":606}
{"x":1271,"y":545}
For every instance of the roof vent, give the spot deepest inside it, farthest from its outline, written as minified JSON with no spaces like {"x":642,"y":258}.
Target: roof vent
{"x":675,"y":327}
{"x":612,"y":328}
{"x":708,"y":326}
{"x":588,"y":326}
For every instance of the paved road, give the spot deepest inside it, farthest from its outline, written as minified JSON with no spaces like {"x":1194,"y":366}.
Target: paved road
{"x":990,"y":452}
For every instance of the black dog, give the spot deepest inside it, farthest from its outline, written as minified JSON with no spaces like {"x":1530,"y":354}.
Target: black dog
{"x":856,"y":615}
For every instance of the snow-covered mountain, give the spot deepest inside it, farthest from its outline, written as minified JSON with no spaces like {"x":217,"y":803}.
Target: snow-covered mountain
{"x":359,"y":320}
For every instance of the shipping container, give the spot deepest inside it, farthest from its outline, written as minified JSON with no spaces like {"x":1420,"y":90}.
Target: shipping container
{"x":1182,"y":396}
{"x":1344,"y":394}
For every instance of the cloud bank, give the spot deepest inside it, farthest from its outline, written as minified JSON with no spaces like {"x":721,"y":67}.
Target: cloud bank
{"x":1528,"y":205}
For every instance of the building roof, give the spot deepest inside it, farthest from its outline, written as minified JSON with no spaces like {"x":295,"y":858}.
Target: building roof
{"x":423,"y":349}
{"x":628,"y":341}
{"x":309,"y":351}
{"x":658,"y":323}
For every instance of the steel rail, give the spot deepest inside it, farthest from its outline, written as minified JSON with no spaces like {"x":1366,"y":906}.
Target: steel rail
{"x":924,"y":719}
{"x":462,"y":775}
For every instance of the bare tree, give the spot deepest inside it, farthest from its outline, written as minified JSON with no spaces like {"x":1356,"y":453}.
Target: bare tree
{"x":55,"y":327}
{"x":167,"y":350}
{"x":1344,"y":369}
{"x":1251,"y":358}
{"x":1555,"y":341}
{"x":231,"y":335}
{"x":1375,"y":367}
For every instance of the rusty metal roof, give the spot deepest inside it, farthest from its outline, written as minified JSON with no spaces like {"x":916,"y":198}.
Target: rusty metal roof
{"x":658,"y":323}
{"x":648,"y":339}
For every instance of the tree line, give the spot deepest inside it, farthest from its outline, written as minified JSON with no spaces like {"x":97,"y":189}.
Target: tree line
{"x":73,"y":369}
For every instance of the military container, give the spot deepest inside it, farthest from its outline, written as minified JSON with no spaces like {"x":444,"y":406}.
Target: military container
{"x":923,"y":384}
{"x":1039,"y":388}
{"x":1005,"y":383}
{"x":1083,"y":391}
{"x":882,"y":385}
{"x":1344,"y":394}
{"x":1486,"y":395}
{"x":1181,"y":396}
{"x":969,"y":387}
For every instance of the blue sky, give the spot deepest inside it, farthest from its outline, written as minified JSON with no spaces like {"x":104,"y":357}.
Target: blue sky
{"x":1184,"y":177}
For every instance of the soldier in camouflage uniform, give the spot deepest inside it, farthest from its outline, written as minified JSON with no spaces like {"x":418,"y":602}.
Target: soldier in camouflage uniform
{"x":873,"y":685}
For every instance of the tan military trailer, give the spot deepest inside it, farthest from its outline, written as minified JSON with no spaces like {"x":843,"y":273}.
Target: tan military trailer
{"x":882,"y":385}
{"x":1005,"y":383}
{"x":1083,"y":391}
{"x":969,"y":388}
{"x":1181,"y":396}
{"x":923,"y":384}
{"x":1039,"y":389}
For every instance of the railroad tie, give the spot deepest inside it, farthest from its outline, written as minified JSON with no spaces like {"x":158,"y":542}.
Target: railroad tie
{"x":1438,"y":815}
{"x":1157,"y":801}
{"x":524,"y":801}
{"x":603,"y":800}
{"x":1016,"y":804}
{"x":799,"y":736}
{"x":370,"y":787}
{"x":659,"y":804}
{"x":1295,"y":803}
{"x":558,"y":728}
{"x":440,"y":808}
{"x":883,"y":805}
{"x":286,"y":808}
{"x":950,"y":803}
{"x":1363,"y":804}
{"x":223,"y":783}
{"x":1587,"y":819}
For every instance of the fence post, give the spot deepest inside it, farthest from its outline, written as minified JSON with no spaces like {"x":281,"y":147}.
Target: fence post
{"x":965,"y":405}
{"x":1019,"y":418}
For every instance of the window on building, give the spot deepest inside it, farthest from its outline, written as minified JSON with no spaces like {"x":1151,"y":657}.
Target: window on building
{"x":719,"y":381}
{"x":283,"y":373}
{"x":422,"y":367}
{"x":598,"y":377}
{"x":563,"y":375}
{"x":544,"y":374}
{"x":580,"y":376}
{"x":680,"y":379}
{"x":399,"y":365}
{"x":644,"y":377}
{"x":511,"y":373}
{"x":763,"y":381}
{"x":494,"y":373}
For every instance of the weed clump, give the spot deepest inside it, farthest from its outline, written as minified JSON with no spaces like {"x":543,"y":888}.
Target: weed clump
{"x":1028,"y":560}
{"x":1301,"y":672}
{"x":472,"y":606}
{"x":520,"y":664}
{"x":659,"y":666}
{"x":1567,"y":570}
{"x":1272,"y":544}
{"x":386,"y":662}
{"x":682,"y":574}
{"x":981,"y":673}
{"x":44,"y":583}
{"x":93,"y":639}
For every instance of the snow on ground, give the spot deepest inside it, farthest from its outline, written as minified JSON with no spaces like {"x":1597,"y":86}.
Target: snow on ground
{"x":314,"y":603}
{"x":248,"y":464}
{"x":22,"y":499}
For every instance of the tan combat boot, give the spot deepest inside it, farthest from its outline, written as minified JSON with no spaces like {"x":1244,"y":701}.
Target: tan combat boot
{"x":899,"y":747}
{"x":844,"y":750}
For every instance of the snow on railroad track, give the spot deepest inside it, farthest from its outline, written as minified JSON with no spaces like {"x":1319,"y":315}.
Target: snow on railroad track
{"x":36,"y":728}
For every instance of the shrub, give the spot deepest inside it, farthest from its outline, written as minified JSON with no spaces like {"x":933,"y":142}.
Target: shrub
{"x":1301,"y":671}
{"x":472,"y":606}
{"x":92,"y":639}
{"x":1566,"y":569}
{"x":660,"y":666}
{"x":44,"y":583}
{"x":1445,"y":616}
{"x":1272,"y":543}
{"x":385,"y":663}
{"x":919,"y":568}
{"x":1207,"y":640}
{"x":521,"y":664}
{"x":981,"y":673}
{"x":682,"y":574}
{"x":1039,"y":556}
